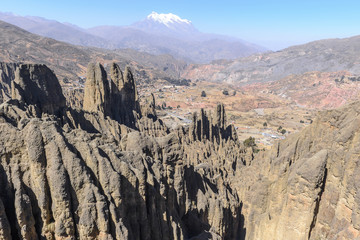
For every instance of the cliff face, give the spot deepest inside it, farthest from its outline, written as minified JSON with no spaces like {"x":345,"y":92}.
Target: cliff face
{"x":114,"y":171}
{"x":307,"y":186}
{"x":7,"y":74}
{"x":82,"y":174}
{"x":37,"y":85}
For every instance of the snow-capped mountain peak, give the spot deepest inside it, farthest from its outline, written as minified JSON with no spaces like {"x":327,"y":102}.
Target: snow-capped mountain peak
{"x":167,"y":19}
{"x":167,"y":25}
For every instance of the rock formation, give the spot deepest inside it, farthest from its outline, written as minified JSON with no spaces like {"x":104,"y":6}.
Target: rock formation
{"x":97,"y":92}
{"x":83,"y":175}
{"x":125,"y":102}
{"x":98,"y":173}
{"x":148,"y":109}
{"x":7,"y":74}
{"x":37,"y":85}
{"x":307,"y":186}
{"x":115,"y":97}
{"x":211,"y":128}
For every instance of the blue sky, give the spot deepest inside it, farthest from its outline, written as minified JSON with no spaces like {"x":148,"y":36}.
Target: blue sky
{"x":273,"y":24}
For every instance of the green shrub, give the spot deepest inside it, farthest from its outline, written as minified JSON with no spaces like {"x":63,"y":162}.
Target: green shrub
{"x":250,"y":142}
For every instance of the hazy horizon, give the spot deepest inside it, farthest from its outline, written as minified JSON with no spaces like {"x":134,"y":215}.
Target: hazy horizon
{"x":274,"y":25}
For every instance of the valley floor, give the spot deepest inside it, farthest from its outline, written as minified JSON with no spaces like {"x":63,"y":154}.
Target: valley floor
{"x":258,"y":116}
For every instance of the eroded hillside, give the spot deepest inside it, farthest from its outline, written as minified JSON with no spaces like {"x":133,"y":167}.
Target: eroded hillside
{"x":113,"y":170}
{"x":329,"y":55}
{"x":107,"y":172}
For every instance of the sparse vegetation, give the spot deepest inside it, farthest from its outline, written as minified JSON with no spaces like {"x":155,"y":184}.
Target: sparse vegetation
{"x":66,"y":80}
{"x":178,"y":82}
{"x":203,"y":94}
{"x":354,"y":79}
{"x":265,"y":124}
{"x":250,"y":142}
{"x":225,"y":92}
{"x":163,"y":105}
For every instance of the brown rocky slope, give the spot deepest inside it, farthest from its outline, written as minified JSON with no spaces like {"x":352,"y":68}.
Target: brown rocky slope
{"x":70,"y":61}
{"x":86,"y":174}
{"x":113,"y":173}
{"x":328,"y":55}
{"x":320,"y":90}
{"x":307,"y":186}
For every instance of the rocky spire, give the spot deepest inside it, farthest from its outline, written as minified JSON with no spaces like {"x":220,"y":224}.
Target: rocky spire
{"x":124,"y":97}
{"x":36,"y":84}
{"x":204,"y":127}
{"x":7,"y":75}
{"x":116,"y":98}
{"x":148,"y":108}
{"x":116,"y":83}
{"x":220,"y":117}
{"x":129,"y":91}
{"x":97,"y":93}
{"x":117,"y":76}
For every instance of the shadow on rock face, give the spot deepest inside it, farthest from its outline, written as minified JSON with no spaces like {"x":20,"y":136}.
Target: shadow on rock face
{"x":68,"y":173}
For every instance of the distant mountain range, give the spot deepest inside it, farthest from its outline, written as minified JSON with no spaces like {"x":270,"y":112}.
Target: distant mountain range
{"x":157,"y":34}
{"x":59,"y":31}
{"x":70,"y":61}
{"x":329,"y":55}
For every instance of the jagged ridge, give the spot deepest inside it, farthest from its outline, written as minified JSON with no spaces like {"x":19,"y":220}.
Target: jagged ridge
{"x":103,"y":174}
{"x":95,"y":174}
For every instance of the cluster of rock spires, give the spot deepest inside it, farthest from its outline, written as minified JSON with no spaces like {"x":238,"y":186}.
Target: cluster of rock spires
{"x":37,"y":85}
{"x":110,"y":170}
{"x":117,"y":99}
{"x":204,"y":127}
{"x":113,"y":170}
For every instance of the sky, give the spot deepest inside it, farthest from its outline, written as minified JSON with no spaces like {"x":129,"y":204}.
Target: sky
{"x":272,"y":24}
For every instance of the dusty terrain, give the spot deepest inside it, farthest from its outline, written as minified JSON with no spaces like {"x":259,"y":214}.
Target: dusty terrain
{"x":288,"y":102}
{"x":124,"y":158}
{"x":113,"y":170}
{"x":259,"y":109}
{"x":328,"y":55}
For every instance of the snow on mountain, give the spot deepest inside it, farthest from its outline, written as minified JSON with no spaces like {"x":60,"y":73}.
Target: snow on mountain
{"x":167,"y":19}
{"x":166,"y":24}
{"x":157,"y":33}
